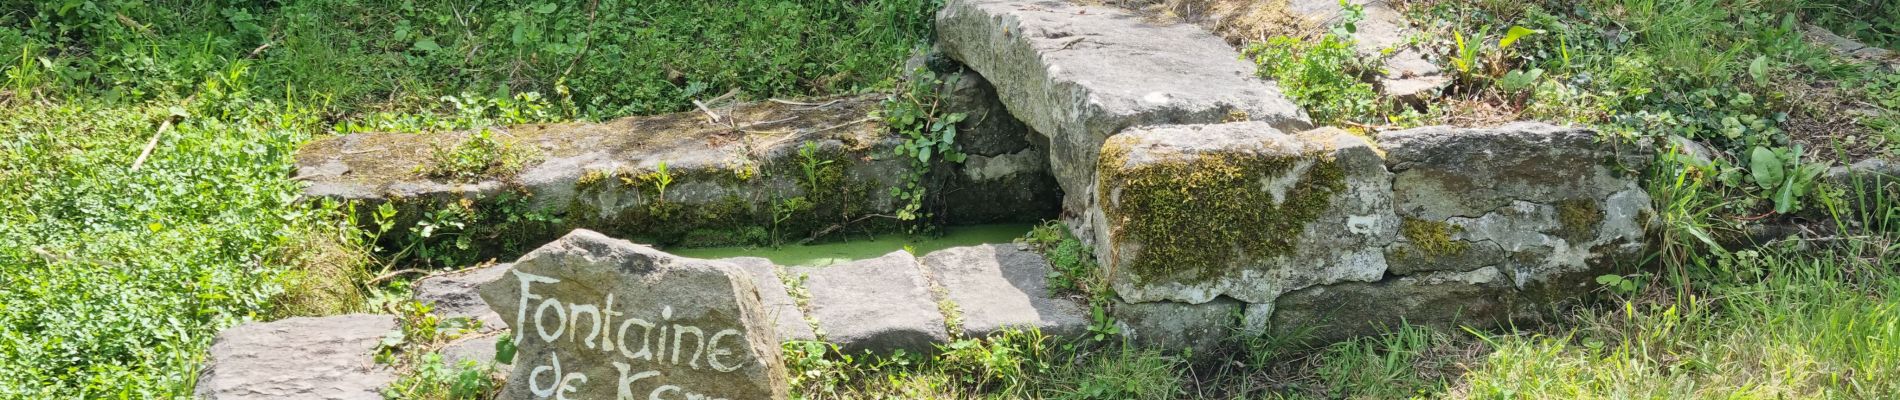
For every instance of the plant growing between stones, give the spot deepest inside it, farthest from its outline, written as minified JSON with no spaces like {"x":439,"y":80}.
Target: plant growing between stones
{"x":809,"y":162}
{"x":1324,"y":75}
{"x":661,"y":179}
{"x":928,"y":132}
{"x":479,"y":156}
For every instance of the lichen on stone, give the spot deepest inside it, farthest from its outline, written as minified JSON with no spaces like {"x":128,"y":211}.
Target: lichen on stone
{"x":1197,"y":216}
{"x":1578,"y":219}
{"x":1433,"y":237}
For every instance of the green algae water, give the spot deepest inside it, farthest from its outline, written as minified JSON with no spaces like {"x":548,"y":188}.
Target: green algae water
{"x":818,"y":255}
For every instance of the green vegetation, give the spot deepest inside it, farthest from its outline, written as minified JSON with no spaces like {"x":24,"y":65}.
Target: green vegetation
{"x":1200,"y":208}
{"x":478,"y":156}
{"x":1325,"y":76}
{"x":113,"y":278}
{"x":1072,"y":264}
{"x":422,"y":372}
{"x":928,"y":132}
{"x":1435,"y":237}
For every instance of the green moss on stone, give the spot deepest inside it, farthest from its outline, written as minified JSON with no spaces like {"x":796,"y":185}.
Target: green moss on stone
{"x":1198,"y":217}
{"x":1578,"y":219}
{"x":1432,"y":237}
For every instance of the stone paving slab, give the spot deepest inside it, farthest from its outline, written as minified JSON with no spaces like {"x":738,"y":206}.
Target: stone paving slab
{"x":880,"y":304}
{"x":320,"y":358}
{"x":1000,"y":286}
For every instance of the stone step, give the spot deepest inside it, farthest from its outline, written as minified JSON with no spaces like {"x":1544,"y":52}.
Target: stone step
{"x":298,"y":358}
{"x":1079,"y":74}
{"x":727,"y":179}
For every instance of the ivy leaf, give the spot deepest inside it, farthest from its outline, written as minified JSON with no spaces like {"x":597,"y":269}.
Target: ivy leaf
{"x":544,"y":8}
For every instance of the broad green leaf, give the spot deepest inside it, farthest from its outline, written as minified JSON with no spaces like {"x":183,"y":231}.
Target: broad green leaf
{"x":1758,"y":69}
{"x":1517,"y":32}
{"x":1766,"y":167}
{"x":427,"y":44}
{"x":1784,"y":198}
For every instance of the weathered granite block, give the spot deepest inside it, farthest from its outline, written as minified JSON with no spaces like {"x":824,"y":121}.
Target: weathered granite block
{"x":1481,"y":298}
{"x":1549,"y":207}
{"x":453,"y":295}
{"x":597,"y":317}
{"x":1189,"y":213}
{"x":1079,"y":74}
{"x":1174,"y":326}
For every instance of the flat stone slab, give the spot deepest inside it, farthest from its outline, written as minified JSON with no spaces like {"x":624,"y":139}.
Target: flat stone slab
{"x":453,"y":295}
{"x":784,"y":310}
{"x":1002,"y":286}
{"x":328,"y":358}
{"x":681,"y":179}
{"x":879,"y":305}
{"x":1079,"y":74}
{"x":1193,"y":212}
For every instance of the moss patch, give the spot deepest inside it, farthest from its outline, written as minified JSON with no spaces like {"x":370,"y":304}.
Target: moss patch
{"x":1578,"y":219}
{"x":1198,"y":216}
{"x":1433,"y":237}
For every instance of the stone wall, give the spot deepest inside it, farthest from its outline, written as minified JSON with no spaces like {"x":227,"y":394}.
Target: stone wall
{"x":1213,"y":207}
{"x":735,"y":181}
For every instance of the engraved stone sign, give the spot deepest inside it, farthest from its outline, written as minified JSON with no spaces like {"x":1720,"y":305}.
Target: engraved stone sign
{"x":602,"y":318}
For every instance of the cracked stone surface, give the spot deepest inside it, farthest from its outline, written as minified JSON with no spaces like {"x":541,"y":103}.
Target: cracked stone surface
{"x":880,"y":304}
{"x":1545,"y":205}
{"x":1343,"y":242}
{"x":1851,"y":48}
{"x":1080,"y":74}
{"x":305,"y":358}
{"x":1001,"y":286}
